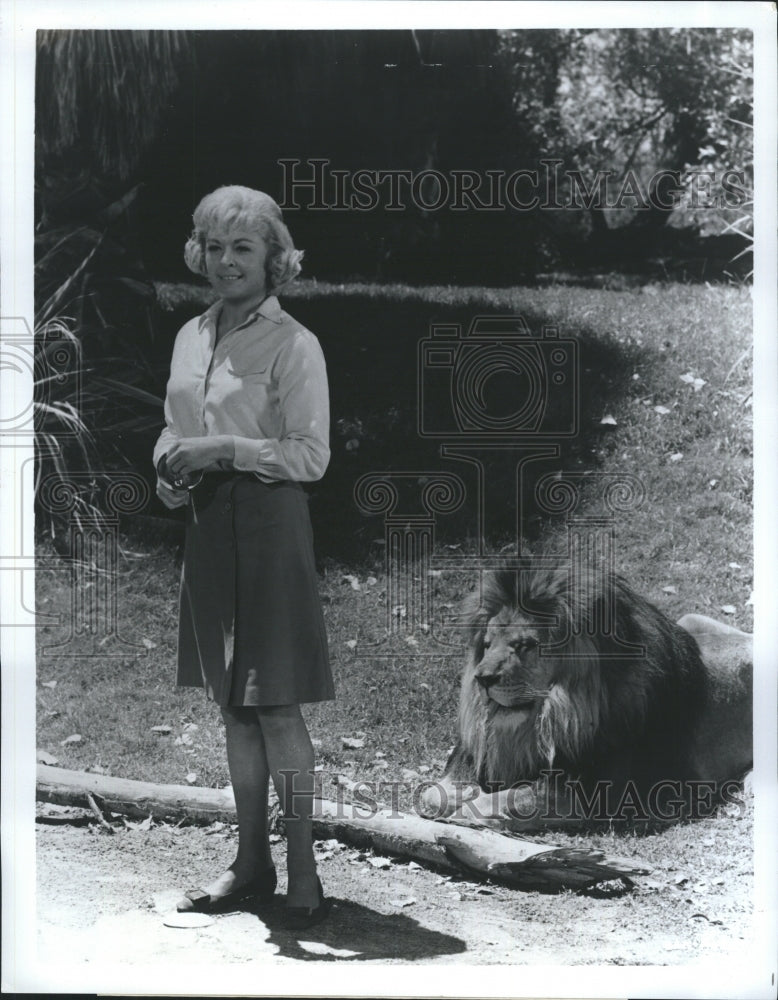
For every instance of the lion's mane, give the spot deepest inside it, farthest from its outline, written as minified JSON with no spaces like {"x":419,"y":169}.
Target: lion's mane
{"x":601,"y":714}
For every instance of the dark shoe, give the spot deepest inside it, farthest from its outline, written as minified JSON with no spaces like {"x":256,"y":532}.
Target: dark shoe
{"x":298,"y":918}
{"x":259,"y":890}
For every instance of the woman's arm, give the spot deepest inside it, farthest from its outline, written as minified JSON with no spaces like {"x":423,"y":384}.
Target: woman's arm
{"x":302,"y":451}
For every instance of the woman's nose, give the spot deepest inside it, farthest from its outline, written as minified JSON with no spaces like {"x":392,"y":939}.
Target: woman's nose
{"x":227,"y":258}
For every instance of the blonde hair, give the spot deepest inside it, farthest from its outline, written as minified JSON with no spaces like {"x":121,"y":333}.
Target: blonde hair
{"x":232,"y":207}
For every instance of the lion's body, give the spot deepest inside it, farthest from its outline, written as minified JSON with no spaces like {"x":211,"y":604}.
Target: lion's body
{"x":581,"y":676}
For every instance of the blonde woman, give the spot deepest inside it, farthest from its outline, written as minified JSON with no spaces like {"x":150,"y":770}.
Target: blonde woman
{"x":247,"y":421}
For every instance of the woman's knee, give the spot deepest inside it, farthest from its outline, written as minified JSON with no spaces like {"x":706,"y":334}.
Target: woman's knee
{"x":239,"y":715}
{"x":280,"y":718}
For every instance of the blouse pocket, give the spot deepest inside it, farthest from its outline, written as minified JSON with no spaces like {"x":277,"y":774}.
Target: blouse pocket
{"x":251,"y":374}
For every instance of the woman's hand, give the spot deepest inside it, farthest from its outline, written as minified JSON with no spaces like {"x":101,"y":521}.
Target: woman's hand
{"x":190,"y":455}
{"x":172,"y":498}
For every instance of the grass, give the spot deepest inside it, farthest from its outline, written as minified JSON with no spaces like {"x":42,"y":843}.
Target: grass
{"x":692,"y":535}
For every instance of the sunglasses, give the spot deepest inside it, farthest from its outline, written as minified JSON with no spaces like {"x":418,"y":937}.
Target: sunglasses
{"x":177,"y":483}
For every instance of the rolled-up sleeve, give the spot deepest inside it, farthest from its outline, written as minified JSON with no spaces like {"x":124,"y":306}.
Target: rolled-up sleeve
{"x":301,"y":452}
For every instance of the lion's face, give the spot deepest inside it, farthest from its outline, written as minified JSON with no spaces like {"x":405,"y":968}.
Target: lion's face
{"x":507,"y":666}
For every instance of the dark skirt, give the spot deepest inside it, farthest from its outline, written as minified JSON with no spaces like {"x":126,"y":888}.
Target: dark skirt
{"x":251,"y":629}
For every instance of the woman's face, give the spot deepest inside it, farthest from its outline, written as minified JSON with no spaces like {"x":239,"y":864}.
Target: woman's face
{"x":235,"y":264}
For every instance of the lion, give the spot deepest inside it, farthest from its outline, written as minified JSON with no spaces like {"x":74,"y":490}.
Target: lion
{"x":582,"y":702}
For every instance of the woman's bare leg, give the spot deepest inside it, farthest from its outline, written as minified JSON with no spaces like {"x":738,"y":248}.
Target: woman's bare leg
{"x":249,"y":774}
{"x":290,"y":758}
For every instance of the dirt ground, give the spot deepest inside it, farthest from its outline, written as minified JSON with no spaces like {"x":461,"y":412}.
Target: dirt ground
{"x":108,"y":894}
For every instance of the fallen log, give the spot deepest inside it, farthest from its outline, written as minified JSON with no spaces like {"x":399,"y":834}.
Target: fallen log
{"x":477,"y":852}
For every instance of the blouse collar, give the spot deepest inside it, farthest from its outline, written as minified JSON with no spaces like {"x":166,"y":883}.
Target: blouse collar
{"x":270,"y":309}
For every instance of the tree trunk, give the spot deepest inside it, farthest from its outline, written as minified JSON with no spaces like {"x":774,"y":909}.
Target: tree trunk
{"x":479,"y":853}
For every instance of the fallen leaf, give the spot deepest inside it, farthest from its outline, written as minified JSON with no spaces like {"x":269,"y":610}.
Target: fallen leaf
{"x":425,"y":627}
{"x":424,"y":769}
{"x":71,"y":740}
{"x":399,"y":611}
{"x":371,"y":581}
{"x":409,"y":775}
{"x":728,"y":609}
{"x":414,"y":866}
{"x":669,"y":589}
{"x":191,"y":778}
{"x":149,"y":644}
{"x":49,"y":684}
{"x":690,"y":379}
{"x":379,"y":862}
{"x":734,"y":565}
{"x":608,"y":421}
{"x":424,"y":686}
{"x":164,"y":730}
{"x":97,"y":769}
{"x":351,"y":643}
{"x":320,"y":948}
{"x":351,"y":743}
{"x":402,"y":902}
{"x":676,"y":457}
{"x":661,"y":410}
{"x":411,"y":641}
{"x":380,"y":764}
{"x":42,"y":757}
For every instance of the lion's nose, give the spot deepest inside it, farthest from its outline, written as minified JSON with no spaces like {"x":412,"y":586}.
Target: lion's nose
{"x":486,"y":680}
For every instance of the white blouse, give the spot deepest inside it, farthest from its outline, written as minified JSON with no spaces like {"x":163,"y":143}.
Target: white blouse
{"x":264,"y":384}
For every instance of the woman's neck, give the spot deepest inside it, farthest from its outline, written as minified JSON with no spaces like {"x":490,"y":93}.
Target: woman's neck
{"x":234,"y":314}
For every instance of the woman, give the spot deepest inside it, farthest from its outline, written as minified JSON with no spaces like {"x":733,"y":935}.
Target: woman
{"x":247,"y":419}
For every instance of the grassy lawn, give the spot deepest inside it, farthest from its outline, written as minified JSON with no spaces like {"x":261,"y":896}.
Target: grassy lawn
{"x":687,"y":548}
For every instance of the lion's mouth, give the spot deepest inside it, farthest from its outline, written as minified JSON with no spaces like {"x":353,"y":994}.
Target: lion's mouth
{"x":510,"y":697}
